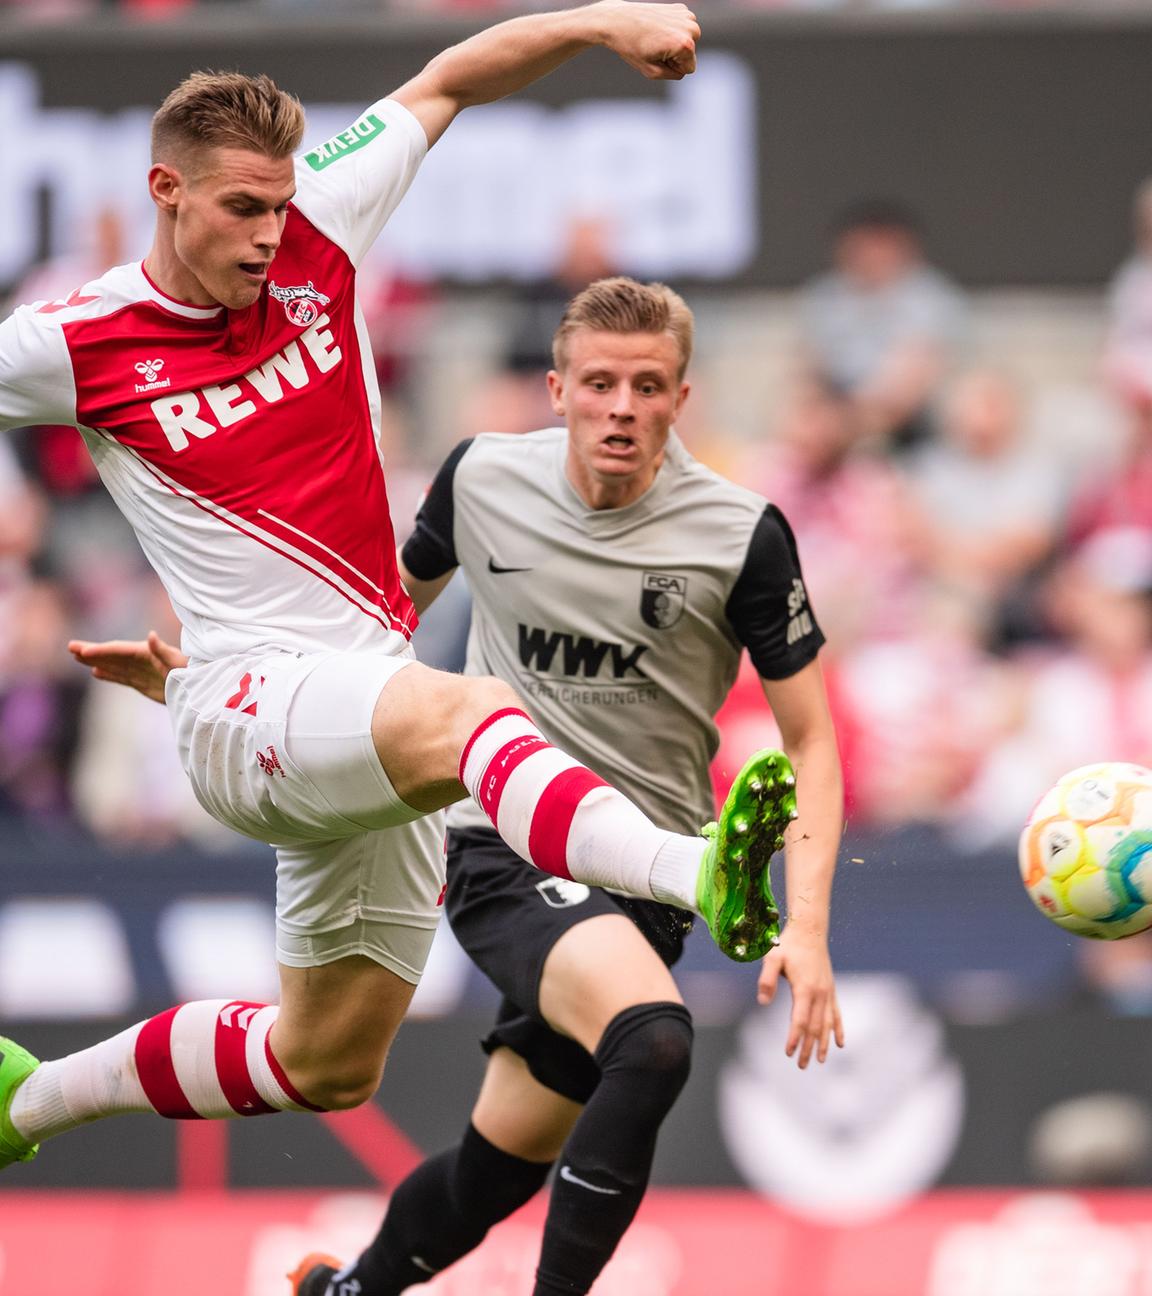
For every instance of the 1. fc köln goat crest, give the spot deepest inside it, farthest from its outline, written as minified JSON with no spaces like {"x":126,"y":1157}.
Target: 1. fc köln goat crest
{"x":302,"y":304}
{"x":662,"y":599}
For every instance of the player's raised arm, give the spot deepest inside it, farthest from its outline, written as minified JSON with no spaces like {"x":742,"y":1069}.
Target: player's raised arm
{"x":658,"y":40}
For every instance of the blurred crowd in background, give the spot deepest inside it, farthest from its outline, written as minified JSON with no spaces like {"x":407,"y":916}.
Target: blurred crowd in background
{"x":978,"y":547}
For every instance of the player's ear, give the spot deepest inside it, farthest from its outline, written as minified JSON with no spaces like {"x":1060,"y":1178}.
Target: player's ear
{"x":681,"y":397}
{"x":556,"y":392}
{"x":164,"y":185}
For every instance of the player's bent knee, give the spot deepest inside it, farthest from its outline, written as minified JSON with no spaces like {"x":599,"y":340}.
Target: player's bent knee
{"x":651,"y":1046}
{"x":342,"y":1088}
{"x":337,"y":1095}
{"x":485,"y":694}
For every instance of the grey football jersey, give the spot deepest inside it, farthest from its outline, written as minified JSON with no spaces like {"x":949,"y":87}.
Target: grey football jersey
{"x":622,"y":628}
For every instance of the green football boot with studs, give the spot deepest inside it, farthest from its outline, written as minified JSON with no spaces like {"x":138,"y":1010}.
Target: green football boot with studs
{"x":16,"y":1065}
{"x":734,"y":889}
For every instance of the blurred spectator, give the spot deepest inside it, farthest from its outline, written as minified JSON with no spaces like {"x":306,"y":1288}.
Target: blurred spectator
{"x":1087,"y":699}
{"x":989,"y":500}
{"x":22,"y":519}
{"x":882,"y":326}
{"x":39,"y":700}
{"x":851,"y":515}
{"x":398,"y":314}
{"x":56,"y":278}
{"x":86,"y":544}
{"x":1128,"y":348}
{"x":919,"y":710}
{"x":516,"y":399}
{"x":1121,"y":496}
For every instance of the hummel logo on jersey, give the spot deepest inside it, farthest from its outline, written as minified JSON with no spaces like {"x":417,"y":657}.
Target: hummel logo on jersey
{"x":75,"y":298}
{"x":559,"y":893}
{"x":577,"y":655}
{"x":182,"y":416}
{"x":269,"y":762}
{"x":149,"y":370}
{"x":799,"y":618}
{"x":302,"y":304}
{"x":496,"y":570}
{"x":568,"y":1177}
{"x":662,"y":596}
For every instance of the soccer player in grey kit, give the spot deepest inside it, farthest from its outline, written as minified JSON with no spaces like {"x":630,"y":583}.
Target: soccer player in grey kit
{"x":616,"y":582}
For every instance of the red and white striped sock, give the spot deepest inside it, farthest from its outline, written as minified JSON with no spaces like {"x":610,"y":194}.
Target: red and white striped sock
{"x":559,"y":816}
{"x":203,"y":1060}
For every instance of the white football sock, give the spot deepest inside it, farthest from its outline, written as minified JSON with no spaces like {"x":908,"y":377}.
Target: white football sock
{"x":203,"y":1060}
{"x":559,"y":816}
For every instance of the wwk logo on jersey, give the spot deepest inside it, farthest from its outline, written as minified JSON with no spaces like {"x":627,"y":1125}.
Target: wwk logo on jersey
{"x":577,"y":656}
{"x":149,"y":370}
{"x":662,"y":599}
{"x":302,"y":305}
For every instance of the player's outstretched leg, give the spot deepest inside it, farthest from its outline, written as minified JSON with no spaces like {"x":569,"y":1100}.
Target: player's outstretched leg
{"x":16,"y":1065}
{"x":560,"y":816}
{"x":734,"y":891}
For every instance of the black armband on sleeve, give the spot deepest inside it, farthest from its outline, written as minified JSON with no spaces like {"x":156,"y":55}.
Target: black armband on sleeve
{"x":768,"y":607}
{"x":430,"y":550}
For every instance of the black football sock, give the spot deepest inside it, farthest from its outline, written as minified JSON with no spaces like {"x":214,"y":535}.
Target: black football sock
{"x":644,"y":1057}
{"x":442,"y":1211}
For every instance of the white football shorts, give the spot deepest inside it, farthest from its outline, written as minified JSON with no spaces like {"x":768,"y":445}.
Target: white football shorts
{"x":279,"y":747}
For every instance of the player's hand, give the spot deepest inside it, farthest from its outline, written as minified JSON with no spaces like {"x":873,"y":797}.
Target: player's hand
{"x":656,"y":39}
{"x":142,"y":664}
{"x":803,"y":959}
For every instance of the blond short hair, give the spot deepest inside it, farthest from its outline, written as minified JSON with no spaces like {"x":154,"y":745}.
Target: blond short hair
{"x":226,"y":110}
{"x":623,"y":305}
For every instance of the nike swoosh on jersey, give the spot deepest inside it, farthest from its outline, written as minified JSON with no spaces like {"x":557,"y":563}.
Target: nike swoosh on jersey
{"x":496,"y":570}
{"x":567,"y":1175}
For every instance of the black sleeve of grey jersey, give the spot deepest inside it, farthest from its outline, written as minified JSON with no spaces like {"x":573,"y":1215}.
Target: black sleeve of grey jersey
{"x":768,"y":607}
{"x":430,"y":550}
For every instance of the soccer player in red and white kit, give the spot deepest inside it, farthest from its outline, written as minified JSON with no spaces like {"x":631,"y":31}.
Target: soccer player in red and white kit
{"x":224,"y":388}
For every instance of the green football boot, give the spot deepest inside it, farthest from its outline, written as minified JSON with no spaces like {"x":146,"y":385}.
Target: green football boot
{"x":734,"y":889}
{"x":16,"y":1065}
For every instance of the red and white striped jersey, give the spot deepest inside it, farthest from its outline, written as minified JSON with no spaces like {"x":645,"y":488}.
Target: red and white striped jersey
{"x":243,"y":445}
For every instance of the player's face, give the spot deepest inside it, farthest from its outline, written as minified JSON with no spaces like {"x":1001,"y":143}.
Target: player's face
{"x":619,"y":394}
{"x":226,"y":215}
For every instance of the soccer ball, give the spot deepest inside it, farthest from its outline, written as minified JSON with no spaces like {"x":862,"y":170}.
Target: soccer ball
{"x":1086,"y":851}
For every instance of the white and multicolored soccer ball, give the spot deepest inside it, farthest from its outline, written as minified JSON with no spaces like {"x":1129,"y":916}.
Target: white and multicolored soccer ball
{"x":1086,"y":851}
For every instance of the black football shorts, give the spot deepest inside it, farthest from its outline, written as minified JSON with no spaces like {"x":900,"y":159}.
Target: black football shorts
{"x":508,"y":915}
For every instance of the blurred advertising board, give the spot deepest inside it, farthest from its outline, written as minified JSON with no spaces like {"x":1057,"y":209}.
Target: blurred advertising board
{"x":1009,"y":137}
{"x":682,"y":1244}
